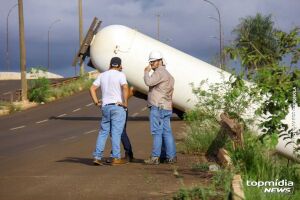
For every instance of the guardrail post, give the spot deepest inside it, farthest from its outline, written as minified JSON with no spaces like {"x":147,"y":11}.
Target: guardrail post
{"x":11,"y":97}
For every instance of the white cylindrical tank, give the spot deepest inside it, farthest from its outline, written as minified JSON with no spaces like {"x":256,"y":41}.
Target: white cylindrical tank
{"x":134,"y":47}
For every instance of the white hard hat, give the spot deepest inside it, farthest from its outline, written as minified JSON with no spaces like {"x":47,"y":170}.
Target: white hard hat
{"x":155,"y":55}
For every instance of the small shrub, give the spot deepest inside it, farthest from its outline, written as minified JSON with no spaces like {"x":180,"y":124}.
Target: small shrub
{"x":39,"y":90}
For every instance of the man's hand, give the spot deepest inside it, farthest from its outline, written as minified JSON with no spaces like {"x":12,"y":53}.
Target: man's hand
{"x":93,"y":94}
{"x":98,"y":103}
{"x":148,"y":68}
{"x":124,"y":104}
{"x":125,"y":91}
{"x":131,"y":92}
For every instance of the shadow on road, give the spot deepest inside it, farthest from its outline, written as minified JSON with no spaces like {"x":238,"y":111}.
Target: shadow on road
{"x":89,"y":161}
{"x":86,"y":161}
{"x":142,"y":118}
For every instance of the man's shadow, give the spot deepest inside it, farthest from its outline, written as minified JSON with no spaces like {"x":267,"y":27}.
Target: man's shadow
{"x":89,"y":161}
{"x":86,"y":161}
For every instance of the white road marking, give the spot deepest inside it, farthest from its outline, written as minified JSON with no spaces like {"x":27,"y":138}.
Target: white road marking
{"x":88,"y":105}
{"x":69,"y":138}
{"x":144,"y":109}
{"x":88,"y":132}
{"x":24,"y":176}
{"x":76,"y":110}
{"x":38,"y":147}
{"x":62,"y":115}
{"x":42,"y":121}
{"x":19,"y":127}
{"x":134,"y":114}
{"x":7,"y":93}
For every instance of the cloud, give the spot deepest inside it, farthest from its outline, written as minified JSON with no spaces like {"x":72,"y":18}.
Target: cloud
{"x":183,"y":24}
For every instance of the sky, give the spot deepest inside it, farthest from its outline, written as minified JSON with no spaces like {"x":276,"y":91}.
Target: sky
{"x":184,"y":24}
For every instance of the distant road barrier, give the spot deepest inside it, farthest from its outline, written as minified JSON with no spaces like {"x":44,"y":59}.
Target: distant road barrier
{"x":67,"y":81}
{"x":13,"y":96}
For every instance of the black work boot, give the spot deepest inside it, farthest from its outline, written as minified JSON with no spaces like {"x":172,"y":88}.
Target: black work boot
{"x":129,"y":157}
{"x":163,"y":159}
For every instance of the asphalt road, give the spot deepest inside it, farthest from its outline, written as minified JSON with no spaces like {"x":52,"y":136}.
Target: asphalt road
{"x":45,"y":153}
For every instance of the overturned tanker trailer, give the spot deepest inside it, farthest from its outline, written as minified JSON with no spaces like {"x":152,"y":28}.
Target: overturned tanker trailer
{"x":134,"y":47}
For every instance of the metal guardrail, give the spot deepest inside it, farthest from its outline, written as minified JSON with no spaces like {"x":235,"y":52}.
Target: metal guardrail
{"x":58,"y":84}
{"x":13,"y":96}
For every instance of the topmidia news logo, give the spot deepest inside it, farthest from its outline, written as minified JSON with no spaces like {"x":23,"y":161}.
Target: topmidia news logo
{"x":277,"y":186}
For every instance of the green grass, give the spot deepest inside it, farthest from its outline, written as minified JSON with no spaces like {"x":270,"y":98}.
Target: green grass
{"x":41,"y":90}
{"x":11,"y":107}
{"x":202,"y":193}
{"x":3,"y":104}
{"x":254,"y":193}
{"x":219,"y":189}
{"x":256,"y":163}
{"x":202,"y":130}
{"x":78,"y":85}
{"x":203,"y":167}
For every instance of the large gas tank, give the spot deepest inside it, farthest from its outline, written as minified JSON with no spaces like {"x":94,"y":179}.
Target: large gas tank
{"x":134,"y":47}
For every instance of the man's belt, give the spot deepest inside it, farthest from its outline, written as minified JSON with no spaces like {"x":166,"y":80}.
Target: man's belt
{"x":116,"y":104}
{"x":160,"y":107}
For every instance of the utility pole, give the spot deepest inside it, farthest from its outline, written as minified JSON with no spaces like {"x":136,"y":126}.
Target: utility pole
{"x":158,"y":25}
{"x":7,"y":52}
{"x":22,"y":52}
{"x":80,"y":33}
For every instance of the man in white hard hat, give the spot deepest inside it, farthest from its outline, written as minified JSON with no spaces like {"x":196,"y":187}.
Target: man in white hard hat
{"x":161,"y":87}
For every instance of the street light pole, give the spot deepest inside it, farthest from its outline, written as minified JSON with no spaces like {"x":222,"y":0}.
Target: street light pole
{"x":7,"y":53}
{"x":220,"y":32}
{"x":22,"y":51}
{"x":80,"y":33}
{"x":158,"y":26}
{"x":49,"y":29}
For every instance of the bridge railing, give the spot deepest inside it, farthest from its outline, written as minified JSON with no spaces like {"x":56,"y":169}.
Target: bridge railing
{"x":13,"y":96}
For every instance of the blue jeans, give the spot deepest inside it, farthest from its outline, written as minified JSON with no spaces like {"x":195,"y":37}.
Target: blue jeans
{"x":161,"y":131}
{"x":125,"y":139}
{"x":113,"y":121}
